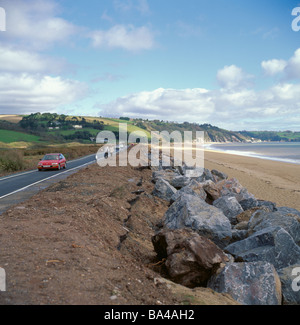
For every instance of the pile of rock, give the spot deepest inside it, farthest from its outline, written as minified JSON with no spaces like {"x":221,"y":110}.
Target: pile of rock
{"x":218,"y":235}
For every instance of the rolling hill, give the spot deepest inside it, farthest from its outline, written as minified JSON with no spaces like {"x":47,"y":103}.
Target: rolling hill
{"x":48,"y":128}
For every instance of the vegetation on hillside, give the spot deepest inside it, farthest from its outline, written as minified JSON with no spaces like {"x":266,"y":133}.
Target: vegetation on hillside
{"x":25,"y":139}
{"x":286,"y":136}
{"x":49,"y":128}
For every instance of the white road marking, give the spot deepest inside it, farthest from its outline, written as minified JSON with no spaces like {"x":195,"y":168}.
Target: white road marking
{"x":45,"y":179}
{"x":34,"y":171}
{"x":12,"y":176}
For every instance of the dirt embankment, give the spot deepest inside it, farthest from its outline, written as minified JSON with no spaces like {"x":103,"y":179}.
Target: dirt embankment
{"x":87,"y":241}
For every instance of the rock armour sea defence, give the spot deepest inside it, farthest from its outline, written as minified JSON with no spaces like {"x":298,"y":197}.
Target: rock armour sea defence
{"x":216,"y":234}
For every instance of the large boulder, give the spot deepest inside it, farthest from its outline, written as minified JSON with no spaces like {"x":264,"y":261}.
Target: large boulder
{"x":253,"y":283}
{"x":197,"y":188}
{"x":249,"y":203}
{"x":247,"y":215}
{"x":232,"y":187}
{"x":287,"y":210}
{"x":290,"y":282}
{"x":166,"y":175}
{"x":273,"y":245}
{"x":164,"y":189}
{"x":180,"y":181}
{"x":193,"y":188}
{"x":212,"y":191}
{"x":206,"y":176}
{"x":282,"y":218}
{"x":219,"y":176}
{"x":267,"y":204}
{"x":192,"y":212}
{"x":190,"y":258}
{"x":230,"y":207}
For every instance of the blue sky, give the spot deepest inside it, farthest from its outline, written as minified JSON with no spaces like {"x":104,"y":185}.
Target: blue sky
{"x":231,"y":63}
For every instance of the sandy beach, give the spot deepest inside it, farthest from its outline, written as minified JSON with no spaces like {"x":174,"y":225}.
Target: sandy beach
{"x":267,"y":180}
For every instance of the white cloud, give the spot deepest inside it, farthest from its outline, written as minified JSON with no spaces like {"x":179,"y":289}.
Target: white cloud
{"x":293,"y":66}
{"x":231,"y":77}
{"x":290,"y":69}
{"x":34,"y":23}
{"x":27,"y":81}
{"x":235,"y":109}
{"x":27,"y":93}
{"x":18,"y":60}
{"x":170,"y":104}
{"x":273,"y":67}
{"x":127,"y":37}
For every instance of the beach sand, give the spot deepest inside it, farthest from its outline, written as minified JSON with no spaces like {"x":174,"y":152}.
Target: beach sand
{"x":265,"y":179}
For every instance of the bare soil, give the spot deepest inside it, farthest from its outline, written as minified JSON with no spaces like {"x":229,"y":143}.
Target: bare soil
{"x":87,"y":241}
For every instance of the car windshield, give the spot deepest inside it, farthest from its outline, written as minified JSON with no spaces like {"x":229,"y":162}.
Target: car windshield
{"x":51,"y":157}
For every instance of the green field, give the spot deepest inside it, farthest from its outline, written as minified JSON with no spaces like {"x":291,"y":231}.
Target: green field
{"x":70,"y":132}
{"x":112,"y":124}
{"x":8,"y":136}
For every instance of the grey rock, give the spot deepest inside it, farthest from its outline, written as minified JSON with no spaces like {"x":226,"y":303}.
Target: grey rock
{"x":167,"y":175}
{"x":230,"y":207}
{"x":248,"y":214}
{"x":286,"y":210}
{"x":192,"y":212}
{"x":206,"y":176}
{"x":197,"y":188}
{"x":290,"y":282}
{"x":255,"y":283}
{"x":273,"y":245}
{"x":234,"y":188}
{"x":282,"y":218}
{"x":180,"y":181}
{"x":249,"y":203}
{"x":219,"y":175}
{"x":193,"y":188}
{"x":238,"y":234}
{"x":268,"y":204}
{"x":164,"y":190}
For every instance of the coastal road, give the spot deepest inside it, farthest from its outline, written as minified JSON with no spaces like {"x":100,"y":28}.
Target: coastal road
{"x":19,"y":187}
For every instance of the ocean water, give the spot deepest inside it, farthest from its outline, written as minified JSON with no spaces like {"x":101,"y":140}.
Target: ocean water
{"x":279,"y":151}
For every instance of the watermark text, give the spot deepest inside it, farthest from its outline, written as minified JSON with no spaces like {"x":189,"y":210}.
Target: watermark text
{"x":296,"y":21}
{"x":2,"y":20}
{"x":2,"y":280}
{"x":158,"y":149}
{"x":296,"y":281}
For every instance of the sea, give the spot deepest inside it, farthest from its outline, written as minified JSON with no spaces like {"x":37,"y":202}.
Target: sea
{"x":288,"y":152}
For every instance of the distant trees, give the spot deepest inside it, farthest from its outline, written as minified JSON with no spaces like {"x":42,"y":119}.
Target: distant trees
{"x":79,"y":135}
{"x":263,"y":135}
{"x":40,"y":124}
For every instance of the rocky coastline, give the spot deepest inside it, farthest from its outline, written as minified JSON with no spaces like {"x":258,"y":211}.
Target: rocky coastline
{"x":218,"y":235}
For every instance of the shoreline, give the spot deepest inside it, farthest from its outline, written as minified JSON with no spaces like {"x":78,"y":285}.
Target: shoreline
{"x":252,"y":154}
{"x":270,"y":180}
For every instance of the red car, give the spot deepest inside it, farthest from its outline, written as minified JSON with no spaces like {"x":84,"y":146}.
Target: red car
{"x":53,"y":161}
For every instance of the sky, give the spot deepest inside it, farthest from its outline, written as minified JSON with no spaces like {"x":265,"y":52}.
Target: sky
{"x":234,"y":64}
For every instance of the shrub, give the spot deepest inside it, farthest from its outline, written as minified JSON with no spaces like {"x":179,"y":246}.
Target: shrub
{"x":12,"y":161}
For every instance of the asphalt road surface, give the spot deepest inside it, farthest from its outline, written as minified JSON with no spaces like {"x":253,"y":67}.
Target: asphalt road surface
{"x":19,"y":187}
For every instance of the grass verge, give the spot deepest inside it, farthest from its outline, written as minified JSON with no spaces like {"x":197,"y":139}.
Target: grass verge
{"x":16,"y":160}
